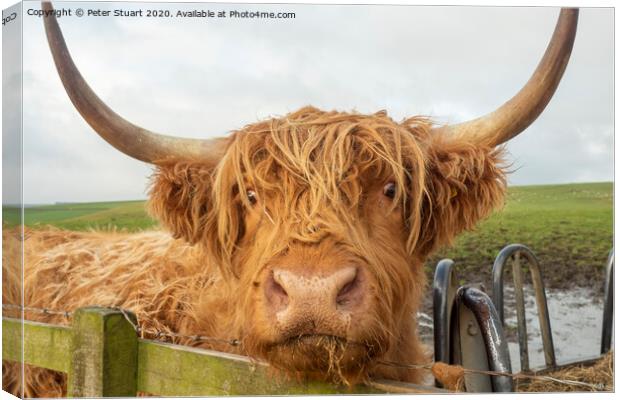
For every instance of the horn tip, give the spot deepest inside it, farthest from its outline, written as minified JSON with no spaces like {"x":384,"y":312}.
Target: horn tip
{"x":571,"y":11}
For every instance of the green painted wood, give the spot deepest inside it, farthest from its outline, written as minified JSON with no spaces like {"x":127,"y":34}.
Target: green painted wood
{"x":45,"y":345}
{"x":11,"y":339}
{"x":104,"y":354}
{"x":97,"y":354}
{"x":171,"y":370}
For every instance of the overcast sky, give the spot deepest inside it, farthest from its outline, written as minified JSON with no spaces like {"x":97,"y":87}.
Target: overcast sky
{"x":202,"y":78}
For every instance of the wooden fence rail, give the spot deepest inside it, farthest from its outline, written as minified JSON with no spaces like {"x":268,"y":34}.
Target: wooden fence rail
{"x":103,"y":356}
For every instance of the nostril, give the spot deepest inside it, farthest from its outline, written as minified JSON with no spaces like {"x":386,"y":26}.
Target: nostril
{"x":349,"y":287}
{"x":347,"y":293}
{"x":275,"y":293}
{"x":278,"y":289}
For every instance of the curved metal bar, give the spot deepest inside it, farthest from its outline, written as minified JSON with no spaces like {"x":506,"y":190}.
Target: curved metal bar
{"x":492,"y":333}
{"x":517,"y":275}
{"x":608,"y":308}
{"x":444,"y":292}
{"x":541,"y":300}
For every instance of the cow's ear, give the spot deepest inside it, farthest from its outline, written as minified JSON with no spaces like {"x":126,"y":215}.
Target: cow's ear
{"x":465,"y":182}
{"x":180,"y":197}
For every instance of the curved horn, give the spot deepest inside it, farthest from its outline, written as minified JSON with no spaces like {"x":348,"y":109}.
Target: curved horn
{"x":132,"y":140}
{"x":519,"y":112}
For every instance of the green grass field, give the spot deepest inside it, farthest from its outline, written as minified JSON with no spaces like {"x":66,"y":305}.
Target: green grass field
{"x":569,"y":227}
{"x":124,"y":215}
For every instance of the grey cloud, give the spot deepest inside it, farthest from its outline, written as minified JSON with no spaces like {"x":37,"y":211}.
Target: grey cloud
{"x":205,"y":78}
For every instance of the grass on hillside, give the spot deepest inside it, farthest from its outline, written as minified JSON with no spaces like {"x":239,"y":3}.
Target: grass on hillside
{"x":569,"y":228}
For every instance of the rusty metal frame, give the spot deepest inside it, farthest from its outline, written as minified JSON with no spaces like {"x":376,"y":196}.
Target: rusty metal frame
{"x":490,"y":329}
{"x":468,"y":331}
{"x":608,"y":307}
{"x":518,"y":250}
{"x":468,"y":326}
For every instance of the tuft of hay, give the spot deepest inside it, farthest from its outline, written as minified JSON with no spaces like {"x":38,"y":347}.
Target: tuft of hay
{"x":600,"y":374}
{"x":452,"y":377}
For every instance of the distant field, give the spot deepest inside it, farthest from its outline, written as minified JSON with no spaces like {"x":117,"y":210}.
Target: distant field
{"x":570,"y":228}
{"x":126,"y":215}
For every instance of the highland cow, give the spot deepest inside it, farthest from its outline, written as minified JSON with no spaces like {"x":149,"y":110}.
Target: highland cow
{"x":302,"y":236}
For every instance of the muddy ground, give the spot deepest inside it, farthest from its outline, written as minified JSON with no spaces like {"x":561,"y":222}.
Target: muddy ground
{"x":574,"y":289}
{"x":561,"y":268}
{"x":562,"y":272}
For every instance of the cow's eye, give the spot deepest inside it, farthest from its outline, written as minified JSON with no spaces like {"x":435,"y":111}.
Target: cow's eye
{"x":389,"y":190}
{"x":251,"y":196}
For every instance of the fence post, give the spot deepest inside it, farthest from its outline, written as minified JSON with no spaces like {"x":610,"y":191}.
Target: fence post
{"x":105,"y":354}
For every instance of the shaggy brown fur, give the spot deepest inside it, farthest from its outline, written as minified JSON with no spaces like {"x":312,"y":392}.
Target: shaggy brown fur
{"x":318,"y":178}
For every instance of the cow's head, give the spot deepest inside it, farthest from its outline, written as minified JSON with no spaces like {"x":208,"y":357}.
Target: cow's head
{"x":324,"y":219}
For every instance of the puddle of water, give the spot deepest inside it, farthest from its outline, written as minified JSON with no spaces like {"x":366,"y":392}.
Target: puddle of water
{"x":576,"y":317}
